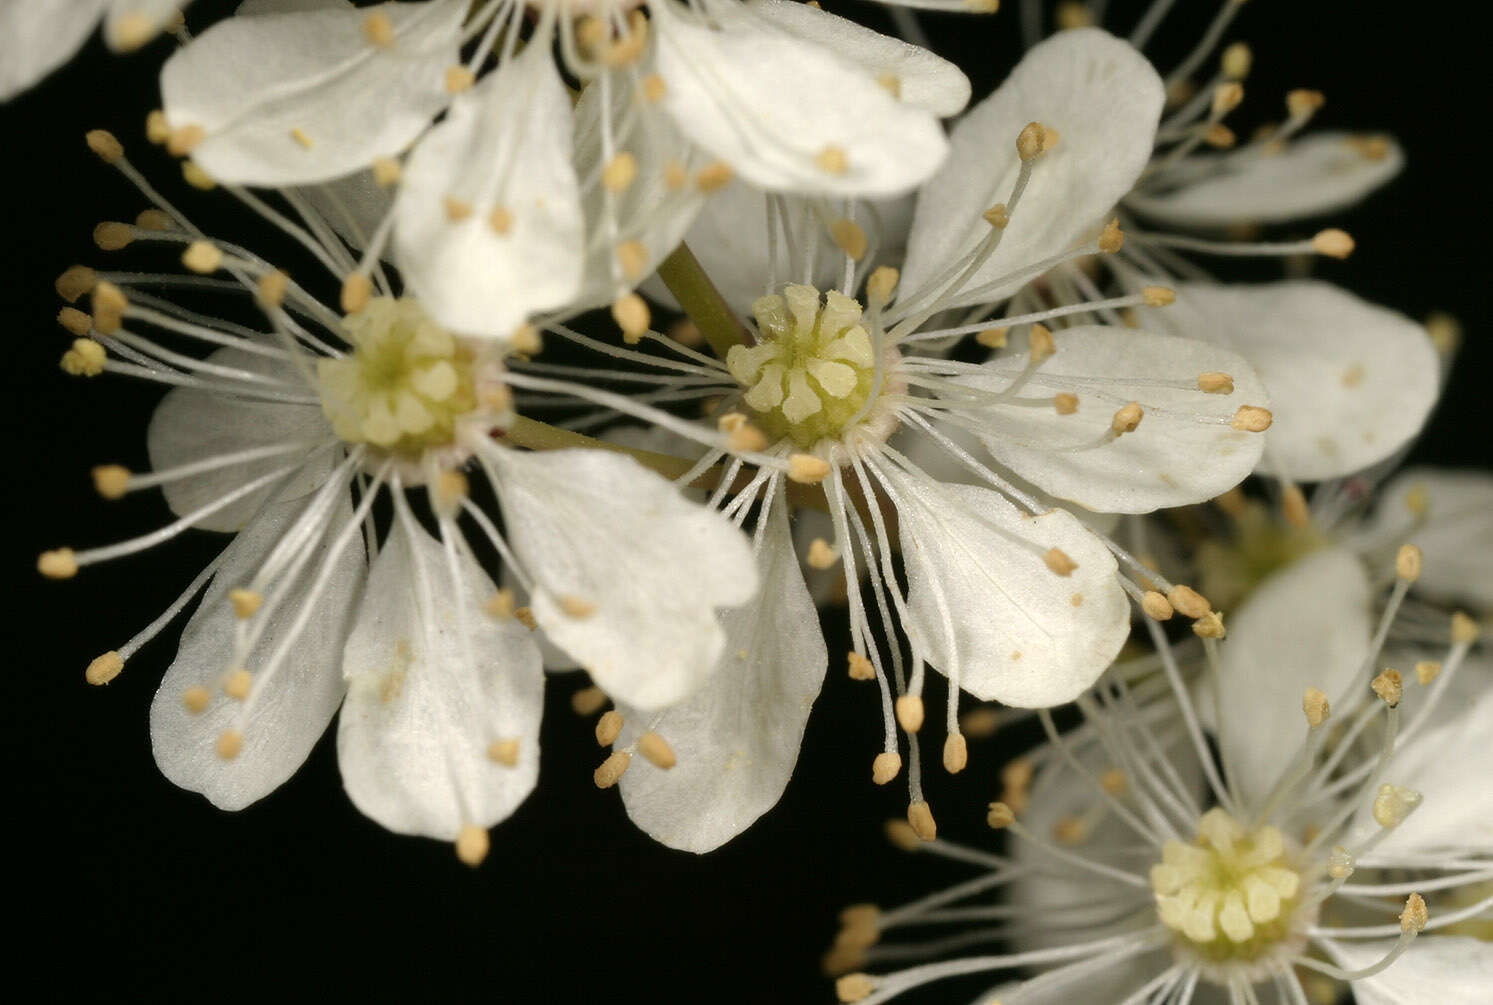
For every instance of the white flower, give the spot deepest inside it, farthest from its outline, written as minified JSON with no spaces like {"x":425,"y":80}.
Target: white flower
{"x":287,"y":439}
{"x":1349,"y":383}
{"x":37,"y":36}
{"x":514,"y":204}
{"x":1334,"y":832}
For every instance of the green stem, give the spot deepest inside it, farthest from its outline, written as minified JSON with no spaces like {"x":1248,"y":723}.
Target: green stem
{"x":698,"y":298}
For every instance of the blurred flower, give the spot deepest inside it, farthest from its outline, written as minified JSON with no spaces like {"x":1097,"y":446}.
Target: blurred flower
{"x":37,"y":36}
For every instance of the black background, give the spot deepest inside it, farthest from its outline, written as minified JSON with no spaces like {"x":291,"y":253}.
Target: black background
{"x":127,"y":887}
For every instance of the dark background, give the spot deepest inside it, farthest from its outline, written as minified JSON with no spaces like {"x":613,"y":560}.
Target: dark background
{"x":127,"y":887}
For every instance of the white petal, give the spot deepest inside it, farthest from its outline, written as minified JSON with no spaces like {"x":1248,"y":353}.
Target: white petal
{"x":1445,"y":969}
{"x":1314,"y":175}
{"x":1306,"y":626}
{"x":504,"y":146}
{"x":1168,"y":460}
{"x":301,"y":697}
{"x":424,"y":703}
{"x":921,"y":79}
{"x":1102,"y":97}
{"x":648,"y":211}
{"x":1096,"y":979}
{"x":252,"y":82}
{"x":600,"y":528}
{"x":768,"y":104}
{"x":737,"y":737}
{"x":1350,"y":383}
{"x":190,"y":426}
{"x":1022,"y":634}
{"x":36,"y":38}
{"x":126,"y":18}
{"x":354,"y":206}
{"x":1456,"y":537}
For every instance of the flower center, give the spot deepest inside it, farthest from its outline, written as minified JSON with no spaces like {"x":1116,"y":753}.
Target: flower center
{"x":1232,"y":894}
{"x":812,"y":372}
{"x":404,"y":385}
{"x":1259,"y":546}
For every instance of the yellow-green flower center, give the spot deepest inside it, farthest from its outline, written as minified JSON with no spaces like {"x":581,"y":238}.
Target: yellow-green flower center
{"x":404,"y":385}
{"x":812,"y":372}
{"x":1231,"y":894}
{"x":1260,"y":545}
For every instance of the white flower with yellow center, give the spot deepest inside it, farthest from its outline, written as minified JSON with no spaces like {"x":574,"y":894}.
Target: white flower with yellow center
{"x":515,"y":203}
{"x":287,"y":439}
{"x":38,"y":36}
{"x":1344,"y":841}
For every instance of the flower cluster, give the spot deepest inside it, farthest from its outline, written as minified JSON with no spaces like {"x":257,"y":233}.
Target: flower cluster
{"x":974,"y":386}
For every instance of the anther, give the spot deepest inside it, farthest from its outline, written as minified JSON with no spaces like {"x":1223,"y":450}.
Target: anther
{"x":1236,"y":61}
{"x":849,"y":238}
{"x":1415,"y":916}
{"x":108,"y":304}
{"x":821,"y":555}
{"x":901,"y":834}
{"x":713,"y":177}
{"x":1302,"y":103}
{"x":378,"y":29}
{"x":1058,"y":561}
{"x":386,"y":172}
{"x":103,"y":143}
{"x":456,"y":209}
{"x":993,"y":338}
{"x":1389,"y":686}
{"x":1392,"y":804}
{"x":157,"y":129}
{"x":891,"y":83}
{"x":1227,"y":97}
{"x":357,"y":290}
{"x":74,"y":282}
{"x":575,"y":607}
{"x":910,"y":712}
{"x":448,"y":490}
{"x":1215,"y":382}
{"x":112,"y":235}
{"x":193,"y":174}
{"x":657,"y":750}
{"x":955,"y":753}
{"x":654,"y":88}
{"x":1220,"y":136}
{"x":471,"y":845}
{"x":859,"y":668}
{"x":741,"y":435}
{"x":111,"y":480}
{"x":1251,"y":419}
{"x":854,"y":987}
{"x":997,"y":216}
{"x":1000,"y":816}
{"x":1112,"y":238}
{"x":1064,"y":403}
{"x":1293,"y":506}
{"x":86,"y":358}
{"x":886,"y":766}
{"x":230,"y":742}
{"x":832,"y":160}
{"x":1126,"y":419}
{"x":271,"y":287}
{"x":57,"y":564}
{"x":920,"y":817}
{"x":459,"y":79}
{"x":196,"y":699}
{"x":588,"y":700}
{"x":202,"y":257}
{"x":1070,"y":830}
{"x":154,"y":220}
{"x":1426,"y":671}
{"x":632,"y":316}
{"x":1040,"y":344}
{"x":525,"y":341}
{"x":1029,"y":144}
{"x":1209,"y":626}
{"x":1189,"y":601}
{"x":632,"y":256}
{"x":806,"y":469}
{"x":302,"y":138}
{"x":525,"y":617}
{"x":1314,"y":705}
{"x":1408,"y":563}
{"x":184,"y":139}
{"x":611,"y":770}
{"x":1465,"y":631}
{"x":504,"y":751}
{"x":500,"y":605}
{"x":238,"y":684}
{"x":1333,"y":243}
{"x":245,"y":602}
{"x":1157,"y":607}
{"x":1340,"y":863}
{"x":104,"y":668}
{"x":608,"y":727}
{"x":1159,"y":296}
{"x":1113,"y":781}
{"x":619,"y":172}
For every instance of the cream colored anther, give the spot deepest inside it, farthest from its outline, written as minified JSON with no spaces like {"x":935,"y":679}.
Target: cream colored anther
{"x":608,"y":727}
{"x":1389,"y":686}
{"x":471,"y":845}
{"x":955,"y":753}
{"x":1333,"y":243}
{"x":920,"y":818}
{"x":1251,"y":419}
{"x":1126,"y":419}
{"x":1057,"y":560}
{"x":1314,"y":705}
{"x":657,"y":750}
{"x":504,"y":751}
{"x":102,"y":669}
{"x":886,"y":766}
{"x":910,"y":712}
{"x":632,"y":316}
{"x":1409,"y":562}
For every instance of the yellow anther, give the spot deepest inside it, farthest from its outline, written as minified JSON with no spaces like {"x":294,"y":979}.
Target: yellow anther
{"x":196,"y":699}
{"x":713,"y":177}
{"x":1389,"y":686}
{"x":882,"y":283}
{"x":504,"y":751}
{"x":1465,"y":631}
{"x":238,"y":683}
{"x":1000,"y":816}
{"x":196,"y":177}
{"x":854,"y":987}
{"x":1251,"y":419}
{"x":1415,"y":916}
{"x":1190,"y":602}
{"x":1303,"y":103}
{"x":105,"y":145}
{"x":1209,"y":626}
{"x":1408,"y":562}
{"x":202,"y":257}
{"x":1220,"y":136}
{"x":525,"y":341}
{"x":1064,"y":403}
{"x":588,"y":700}
{"x":1293,"y":506}
{"x":386,"y":172}
{"x":1215,"y":382}
{"x":920,"y":818}
{"x":1058,"y":561}
{"x":357,"y":290}
{"x":910,"y":712}
{"x":657,"y":750}
{"x":849,"y":238}
{"x":1445,"y":333}
{"x":75,"y":281}
{"x":1070,"y":831}
{"x":59,"y":563}
{"x":955,"y":753}
{"x":302,"y":138}
{"x":993,"y":338}
{"x":632,"y":256}
{"x":1426,"y":671}
{"x":1314,"y":705}
{"x":741,"y":435}
{"x":1236,"y":61}
{"x":1114,"y":782}
{"x":157,"y":129}
{"x":471,"y":845}
{"x":459,"y":79}
{"x":1227,"y":97}
{"x":245,"y":602}
{"x":104,"y":668}
{"x":1040,"y":344}
{"x":75,"y":321}
{"x":500,"y":605}
{"x":979,"y":722}
{"x":821,"y":555}
{"x":575,"y":607}
{"x":1156,"y":606}
{"x":1159,"y":296}
{"x":1126,"y":419}
{"x":184,"y":139}
{"x":997,"y":216}
{"x":109,"y":304}
{"x":456,"y":209}
{"x":1112,"y":238}
{"x":891,"y":83}
{"x":654,"y":88}
{"x":112,"y":235}
{"x":154,"y":220}
{"x":111,"y":480}
{"x":982,"y":6}
{"x":230,"y":742}
{"x":448,"y":490}
{"x":886,"y":766}
{"x":378,"y":29}
{"x":86,"y":358}
{"x":806,"y":469}
{"x":859,"y":667}
{"x":608,"y":727}
{"x":1029,"y":143}
{"x":1393,"y":803}
{"x":620,"y":172}
{"x":1333,"y":243}
{"x":632,"y":316}
{"x":611,"y":770}
{"x":1340,"y":863}
{"x":675,"y":175}
{"x":832,"y":160}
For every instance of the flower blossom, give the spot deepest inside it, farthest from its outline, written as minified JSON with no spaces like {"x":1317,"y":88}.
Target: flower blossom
{"x":37,"y":38}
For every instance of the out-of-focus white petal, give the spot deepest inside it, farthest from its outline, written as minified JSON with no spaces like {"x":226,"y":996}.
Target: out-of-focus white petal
{"x":290,"y":98}
{"x":737,"y":737}
{"x":788,"y":114}
{"x":908,"y":72}
{"x":430,"y":690}
{"x":628,"y":574}
{"x":1314,"y":175}
{"x":982,"y":599}
{"x":354,"y":206}
{"x":1183,"y":451}
{"x":489,"y":227}
{"x":37,"y":37}
{"x":1445,"y":969}
{"x":191,"y":425}
{"x":1456,"y":536}
{"x":1306,"y":626}
{"x":1350,"y":383}
{"x":1102,"y":97}
{"x":299,"y":699}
